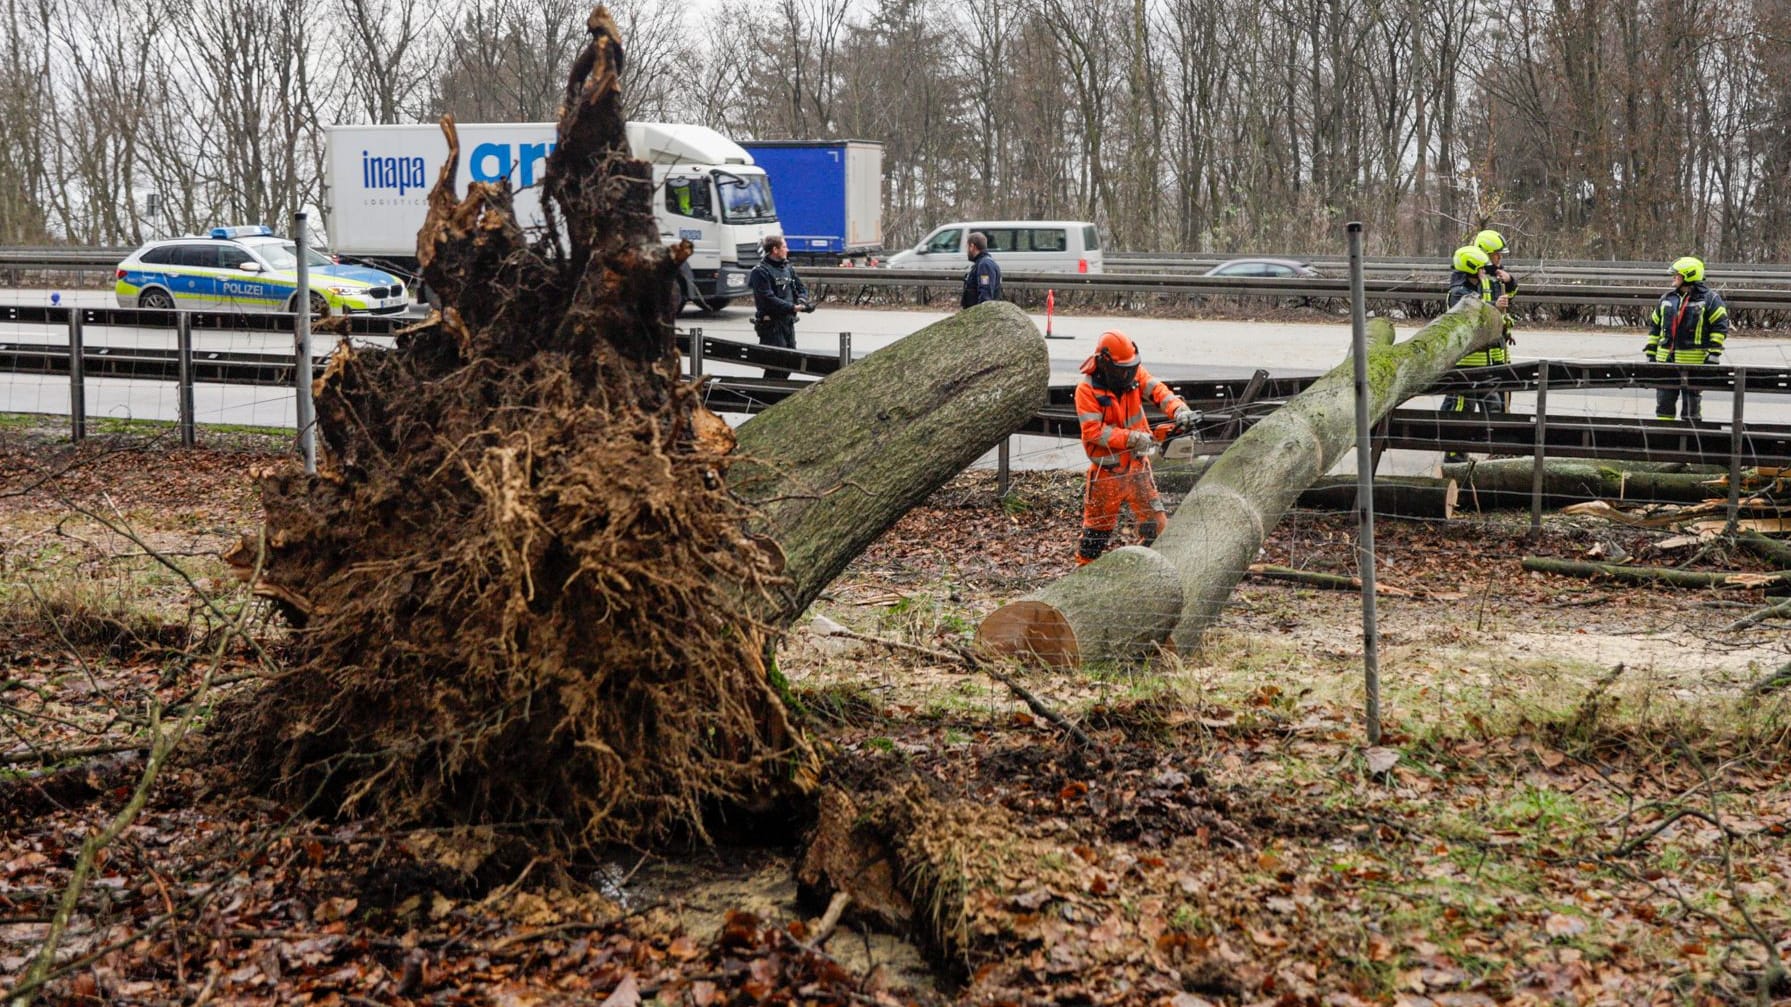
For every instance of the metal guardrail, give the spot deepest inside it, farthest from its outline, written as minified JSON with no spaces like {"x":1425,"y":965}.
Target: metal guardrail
{"x":1651,"y":267}
{"x":1428,"y":271}
{"x":1382,"y":290}
{"x":1236,"y":404}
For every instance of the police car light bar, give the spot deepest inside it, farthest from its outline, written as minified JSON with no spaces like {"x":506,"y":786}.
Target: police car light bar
{"x":243,"y":231}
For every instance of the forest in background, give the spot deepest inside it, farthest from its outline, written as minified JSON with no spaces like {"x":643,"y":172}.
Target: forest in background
{"x":1583,"y":128}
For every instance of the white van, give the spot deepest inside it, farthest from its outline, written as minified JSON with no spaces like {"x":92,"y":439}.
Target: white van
{"x":1019,"y":246}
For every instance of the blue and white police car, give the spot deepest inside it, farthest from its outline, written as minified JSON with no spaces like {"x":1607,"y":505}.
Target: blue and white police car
{"x":249,"y":269}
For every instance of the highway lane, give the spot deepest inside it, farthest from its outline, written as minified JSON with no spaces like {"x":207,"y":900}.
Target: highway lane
{"x":1172,"y":348}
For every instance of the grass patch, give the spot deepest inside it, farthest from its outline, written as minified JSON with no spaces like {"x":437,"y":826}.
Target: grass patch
{"x":847,"y":704}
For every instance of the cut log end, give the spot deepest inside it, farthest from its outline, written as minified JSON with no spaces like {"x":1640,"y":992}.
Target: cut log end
{"x":1032,"y":631}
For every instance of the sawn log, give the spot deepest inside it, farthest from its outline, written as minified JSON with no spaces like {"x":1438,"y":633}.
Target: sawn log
{"x":1505,"y":483}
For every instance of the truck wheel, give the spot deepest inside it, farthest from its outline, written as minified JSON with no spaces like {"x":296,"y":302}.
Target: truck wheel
{"x":717,"y":303}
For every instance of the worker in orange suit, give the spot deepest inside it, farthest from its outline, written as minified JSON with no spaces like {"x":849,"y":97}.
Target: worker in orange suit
{"x":1110,"y":405}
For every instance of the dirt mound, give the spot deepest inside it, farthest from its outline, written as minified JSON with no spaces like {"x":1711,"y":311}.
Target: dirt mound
{"x":517,"y":572}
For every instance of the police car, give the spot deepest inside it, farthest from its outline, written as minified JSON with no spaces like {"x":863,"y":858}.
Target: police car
{"x":248,"y":269}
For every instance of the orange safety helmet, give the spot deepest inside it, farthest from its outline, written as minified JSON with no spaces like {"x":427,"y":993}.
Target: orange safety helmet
{"x":1115,"y":362}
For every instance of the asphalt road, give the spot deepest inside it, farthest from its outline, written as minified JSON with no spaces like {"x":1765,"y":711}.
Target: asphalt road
{"x":1172,"y":348}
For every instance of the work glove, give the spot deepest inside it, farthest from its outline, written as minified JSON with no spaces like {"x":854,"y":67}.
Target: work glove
{"x":1714,"y":357}
{"x":808,"y":307}
{"x":1648,"y":353}
{"x":1139,"y":441}
{"x":1185,"y":418}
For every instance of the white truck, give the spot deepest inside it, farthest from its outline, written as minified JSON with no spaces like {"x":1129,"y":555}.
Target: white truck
{"x":706,"y":191}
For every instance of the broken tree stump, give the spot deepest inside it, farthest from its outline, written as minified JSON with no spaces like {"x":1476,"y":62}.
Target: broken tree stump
{"x":519,"y":571}
{"x":832,"y":467}
{"x":1103,"y":612}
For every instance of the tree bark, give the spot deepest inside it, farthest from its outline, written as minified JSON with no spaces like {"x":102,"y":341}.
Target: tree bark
{"x":1394,"y":496}
{"x":1769,"y":549}
{"x":1505,"y":483}
{"x":1215,"y":534}
{"x":1649,"y":574}
{"x":832,"y":467}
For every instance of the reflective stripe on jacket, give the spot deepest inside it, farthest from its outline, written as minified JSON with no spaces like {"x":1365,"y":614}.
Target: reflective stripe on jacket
{"x":1688,"y":328}
{"x":1108,"y":416}
{"x":1488,"y":288}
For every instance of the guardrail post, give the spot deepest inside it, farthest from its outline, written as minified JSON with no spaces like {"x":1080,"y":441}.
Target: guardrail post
{"x":1541,"y":456}
{"x":301,"y":324}
{"x":183,"y":348}
{"x":696,"y":353}
{"x":1736,"y":428}
{"x":845,"y":348}
{"x":77,"y":378}
{"x":1002,"y":472}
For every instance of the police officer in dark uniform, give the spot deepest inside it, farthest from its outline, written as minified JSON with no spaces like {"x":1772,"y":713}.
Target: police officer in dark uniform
{"x":777,"y":295}
{"x":983,"y":282}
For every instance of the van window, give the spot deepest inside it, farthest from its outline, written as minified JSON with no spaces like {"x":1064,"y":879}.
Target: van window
{"x":1045,"y":239}
{"x":688,"y":197}
{"x":1001,"y":239}
{"x":949,"y":240}
{"x":1091,"y":242}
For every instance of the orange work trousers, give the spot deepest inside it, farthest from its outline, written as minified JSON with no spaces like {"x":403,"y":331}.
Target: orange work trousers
{"x":1104,"y":493}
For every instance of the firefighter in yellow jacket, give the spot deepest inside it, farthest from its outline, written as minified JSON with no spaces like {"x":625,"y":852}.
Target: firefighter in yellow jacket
{"x":1117,"y":438}
{"x":1688,"y":326}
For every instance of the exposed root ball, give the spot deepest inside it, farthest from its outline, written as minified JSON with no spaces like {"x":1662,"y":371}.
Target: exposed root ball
{"x":519,"y":575}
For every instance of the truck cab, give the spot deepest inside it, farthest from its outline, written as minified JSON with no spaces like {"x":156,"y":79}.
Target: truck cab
{"x":710,"y":194}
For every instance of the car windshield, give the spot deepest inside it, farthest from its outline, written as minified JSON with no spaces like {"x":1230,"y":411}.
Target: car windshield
{"x":745,"y":199}
{"x":284,"y":255}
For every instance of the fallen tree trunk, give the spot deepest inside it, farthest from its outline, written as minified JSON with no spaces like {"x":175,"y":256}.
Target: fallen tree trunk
{"x":832,"y":467}
{"x":1649,"y":574}
{"x":1220,"y":526}
{"x":1423,"y":497}
{"x":1505,"y":483}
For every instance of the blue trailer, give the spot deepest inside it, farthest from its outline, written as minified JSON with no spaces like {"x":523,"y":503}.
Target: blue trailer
{"x":829,"y":195}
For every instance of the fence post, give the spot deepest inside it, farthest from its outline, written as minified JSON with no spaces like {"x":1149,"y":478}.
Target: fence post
{"x":1002,"y":472}
{"x":1736,"y":428}
{"x":1371,"y":647}
{"x":301,"y":326}
{"x":696,"y":353}
{"x":845,"y":349}
{"x":183,"y":343}
{"x":1541,"y":456}
{"x":77,"y":378}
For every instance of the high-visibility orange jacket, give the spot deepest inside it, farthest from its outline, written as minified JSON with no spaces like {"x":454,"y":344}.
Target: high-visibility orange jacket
{"x":1108,"y":416}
